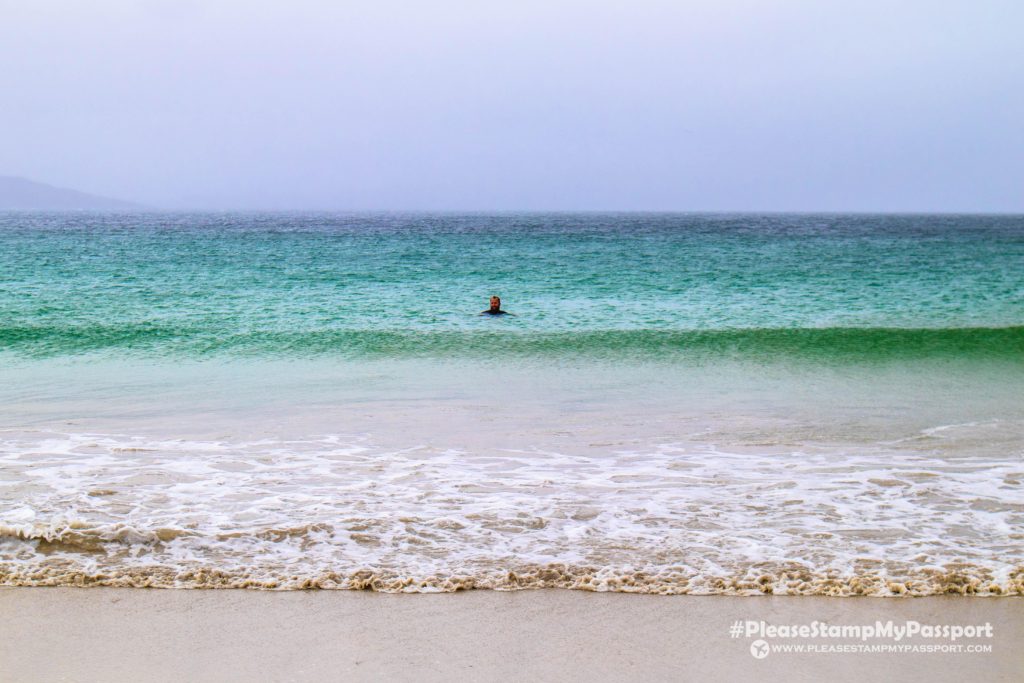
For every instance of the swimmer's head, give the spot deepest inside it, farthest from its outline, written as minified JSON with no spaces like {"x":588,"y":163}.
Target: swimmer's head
{"x":495,"y":303}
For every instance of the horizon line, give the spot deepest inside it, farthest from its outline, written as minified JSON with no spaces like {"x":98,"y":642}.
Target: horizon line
{"x":144,"y":208}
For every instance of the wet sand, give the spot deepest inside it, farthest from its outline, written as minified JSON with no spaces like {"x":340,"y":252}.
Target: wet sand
{"x":115,"y":634}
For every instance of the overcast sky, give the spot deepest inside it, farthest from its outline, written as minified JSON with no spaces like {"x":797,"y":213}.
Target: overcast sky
{"x":662,"y":105}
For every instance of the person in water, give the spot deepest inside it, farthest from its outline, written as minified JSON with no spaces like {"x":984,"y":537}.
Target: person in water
{"x":495,"y":308}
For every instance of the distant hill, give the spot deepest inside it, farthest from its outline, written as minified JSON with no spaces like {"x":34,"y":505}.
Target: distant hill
{"x":20,"y":193}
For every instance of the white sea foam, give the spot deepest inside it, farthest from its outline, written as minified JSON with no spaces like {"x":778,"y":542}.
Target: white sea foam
{"x":917,"y":515}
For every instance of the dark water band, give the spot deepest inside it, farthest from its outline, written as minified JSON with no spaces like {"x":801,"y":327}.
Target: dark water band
{"x":838,"y":343}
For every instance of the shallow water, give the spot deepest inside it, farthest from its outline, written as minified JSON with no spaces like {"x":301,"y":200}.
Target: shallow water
{"x":682,"y":404}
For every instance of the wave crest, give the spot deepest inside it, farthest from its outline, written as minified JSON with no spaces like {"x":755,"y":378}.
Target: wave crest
{"x":826,"y":343}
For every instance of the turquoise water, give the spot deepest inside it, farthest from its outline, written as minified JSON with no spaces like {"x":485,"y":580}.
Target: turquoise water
{"x":681,"y":403}
{"x":391,"y":285}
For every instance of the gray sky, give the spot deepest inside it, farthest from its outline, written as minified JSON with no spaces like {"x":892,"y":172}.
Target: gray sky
{"x":455,"y":104}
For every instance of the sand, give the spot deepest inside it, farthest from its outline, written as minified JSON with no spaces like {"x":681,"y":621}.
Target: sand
{"x":124,"y":634}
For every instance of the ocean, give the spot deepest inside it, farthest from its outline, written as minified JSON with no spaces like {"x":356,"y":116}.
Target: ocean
{"x":681,"y":403}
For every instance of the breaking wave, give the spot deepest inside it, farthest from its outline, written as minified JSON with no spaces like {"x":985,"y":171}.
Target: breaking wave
{"x":821,"y":344}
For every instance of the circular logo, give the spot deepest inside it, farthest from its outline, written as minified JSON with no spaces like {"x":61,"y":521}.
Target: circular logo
{"x":759,"y":649}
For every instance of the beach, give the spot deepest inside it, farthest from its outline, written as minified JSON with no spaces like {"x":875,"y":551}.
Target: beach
{"x":68,"y":634}
{"x":690,"y":421}
{"x":534,"y":341}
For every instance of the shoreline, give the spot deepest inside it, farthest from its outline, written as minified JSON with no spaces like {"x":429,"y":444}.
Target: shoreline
{"x":127,"y":634}
{"x":781,"y":580}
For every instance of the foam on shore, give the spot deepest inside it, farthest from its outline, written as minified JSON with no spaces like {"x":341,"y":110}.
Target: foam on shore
{"x":918,"y":516}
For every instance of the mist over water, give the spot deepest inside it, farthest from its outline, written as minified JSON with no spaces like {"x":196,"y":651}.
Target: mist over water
{"x":571,"y":105}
